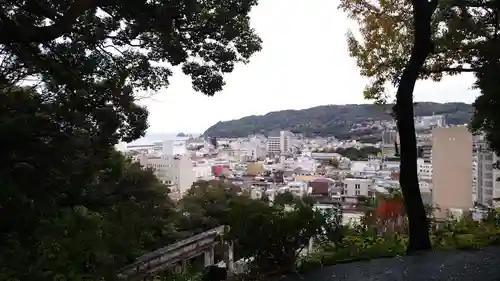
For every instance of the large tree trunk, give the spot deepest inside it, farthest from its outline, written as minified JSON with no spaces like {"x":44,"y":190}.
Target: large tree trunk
{"x":422,"y":47}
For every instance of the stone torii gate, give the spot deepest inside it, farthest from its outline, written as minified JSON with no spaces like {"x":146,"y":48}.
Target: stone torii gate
{"x":170,"y":256}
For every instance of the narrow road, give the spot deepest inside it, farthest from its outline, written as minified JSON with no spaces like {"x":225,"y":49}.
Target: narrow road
{"x":480,"y":265}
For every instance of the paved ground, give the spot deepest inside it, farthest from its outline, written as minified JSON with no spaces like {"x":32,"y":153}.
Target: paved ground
{"x":480,"y":265}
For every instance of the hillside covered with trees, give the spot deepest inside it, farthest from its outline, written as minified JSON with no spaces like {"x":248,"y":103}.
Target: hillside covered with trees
{"x":334,"y":120}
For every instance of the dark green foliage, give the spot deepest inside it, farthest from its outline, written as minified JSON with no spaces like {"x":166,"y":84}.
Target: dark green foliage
{"x":358,"y":154}
{"x":71,"y":207}
{"x":352,"y":153}
{"x":284,"y":198}
{"x":365,"y":241}
{"x":274,"y":236}
{"x":104,"y":39}
{"x":206,"y":205}
{"x":486,"y":116}
{"x":214,"y":273}
{"x":269,"y":234}
{"x":106,"y":52}
{"x":334,"y":162}
{"x":370,"y":139}
{"x":334,"y":120}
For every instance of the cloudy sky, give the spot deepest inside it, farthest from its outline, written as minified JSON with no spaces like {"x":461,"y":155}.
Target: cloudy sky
{"x":304,"y":63}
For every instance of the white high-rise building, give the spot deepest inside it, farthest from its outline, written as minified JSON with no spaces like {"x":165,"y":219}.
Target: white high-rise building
{"x":485,"y":187}
{"x":176,"y":171}
{"x":286,"y":142}
{"x":170,"y":164}
{"x":279,"y":142}
{"x":273,"y":143}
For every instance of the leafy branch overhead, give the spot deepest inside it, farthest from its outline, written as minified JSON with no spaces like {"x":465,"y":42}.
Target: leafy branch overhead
{"x":104,"y":52}
{"x":382,"y":45}
{"x":103,"y":39}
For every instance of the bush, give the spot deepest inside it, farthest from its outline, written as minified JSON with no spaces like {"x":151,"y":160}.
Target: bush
{"x":360,"y":243}
{"x":364,"y":242}
{"x":466,"y":233}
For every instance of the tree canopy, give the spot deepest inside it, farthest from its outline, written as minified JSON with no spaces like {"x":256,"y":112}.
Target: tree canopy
{"x":82,"y":43}
{"x":465,"y":36}
{"x":270,"y":236}
{"x":102,"y":55}
{"x":460,"y":29}
{"x":401,"y":41}
{"x":206,"y":205}
{"x":72,"y":207}
{"x":396,"y":47}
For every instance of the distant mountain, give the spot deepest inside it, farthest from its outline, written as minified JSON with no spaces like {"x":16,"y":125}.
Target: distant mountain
{"x":336,"y":120}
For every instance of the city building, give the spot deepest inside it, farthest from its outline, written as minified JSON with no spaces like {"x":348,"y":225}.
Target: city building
{"x":424,"y":169}
{"x":433,"y":121}
{"x":451,"y":170}
{"x":279,"y":143}
{"x":273,"y":143}
{"x":486,"y":186}
{"x":286,"y":142}
{"x":354,"y":187}
{"x":173,"y":170}
{"x":174,"y":146}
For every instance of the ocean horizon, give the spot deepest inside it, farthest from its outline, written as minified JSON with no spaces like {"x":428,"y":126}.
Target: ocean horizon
{"x":150,"y":138}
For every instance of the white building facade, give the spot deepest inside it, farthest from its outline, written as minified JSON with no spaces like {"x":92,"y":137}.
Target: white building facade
{"x":486,"y":187}
{"x":173,"y":170}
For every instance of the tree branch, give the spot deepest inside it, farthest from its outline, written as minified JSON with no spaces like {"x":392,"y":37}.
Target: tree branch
{"x":475,"y":3}
{"x":12,"y":32}
{"x":449,"y":69}
{"x":432,"y":6}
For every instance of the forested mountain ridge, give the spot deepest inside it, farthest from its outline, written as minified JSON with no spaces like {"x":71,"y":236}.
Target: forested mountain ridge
{"x":334,"y":120}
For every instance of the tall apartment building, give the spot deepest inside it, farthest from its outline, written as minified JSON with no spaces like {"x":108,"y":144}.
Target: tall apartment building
{"x":273,"y":143}
{"x":451,"y":169}
{"x":286,"y":142}
{"x":486,"y":186}
{"x":279,"y":142}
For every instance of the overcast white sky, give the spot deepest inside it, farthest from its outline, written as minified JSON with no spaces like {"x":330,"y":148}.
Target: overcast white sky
{"x":304,"y":63}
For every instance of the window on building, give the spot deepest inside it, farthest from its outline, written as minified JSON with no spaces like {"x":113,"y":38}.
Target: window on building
{"x":358,"y":192}
{"x":357,"y":186}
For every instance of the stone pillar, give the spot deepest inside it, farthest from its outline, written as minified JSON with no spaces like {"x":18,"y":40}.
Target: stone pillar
{"x":310,"y":245}
{"x":230,"y":256}
{"x":184,"y":265}
{"x":178,"y":268}
{"x":209,"y":257}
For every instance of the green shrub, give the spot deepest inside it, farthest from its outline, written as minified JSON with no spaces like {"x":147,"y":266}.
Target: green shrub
{"x":363,"y":242}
